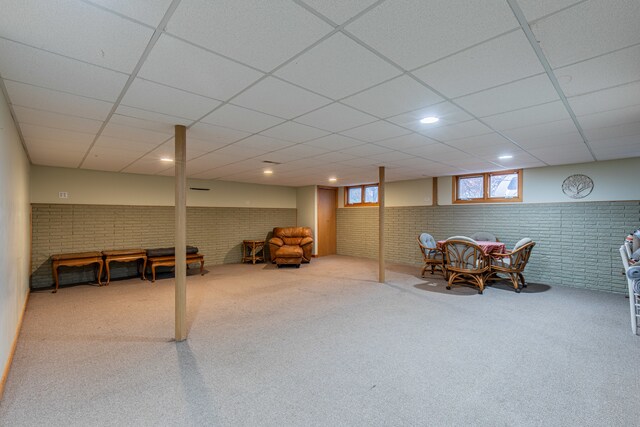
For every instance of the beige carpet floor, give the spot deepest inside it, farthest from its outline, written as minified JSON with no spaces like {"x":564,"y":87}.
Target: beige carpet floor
{"x":324,"y":345}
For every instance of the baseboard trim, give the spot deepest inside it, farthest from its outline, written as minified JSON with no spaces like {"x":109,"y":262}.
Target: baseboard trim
{"x":7,"y":367}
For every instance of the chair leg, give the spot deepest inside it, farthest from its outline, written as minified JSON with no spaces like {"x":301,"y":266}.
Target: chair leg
{"x":524,"y":284}
{"x":514,"y":280}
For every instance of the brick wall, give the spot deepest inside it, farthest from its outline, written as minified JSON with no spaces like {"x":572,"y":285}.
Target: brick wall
{"x":576,"y":243}
{"x":217,"y":232}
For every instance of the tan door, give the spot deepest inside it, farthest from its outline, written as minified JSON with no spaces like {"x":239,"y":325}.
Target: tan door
{"x":327,"y":204}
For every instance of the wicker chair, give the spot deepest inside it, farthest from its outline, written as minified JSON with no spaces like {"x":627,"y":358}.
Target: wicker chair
{"x":432,"y":256}
{"x":466,"y":262}
{"x":513,"y":263}
{"x":484,"y":236}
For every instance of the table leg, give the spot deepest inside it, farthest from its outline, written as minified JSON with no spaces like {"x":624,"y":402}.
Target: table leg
{"x":144,"y":268}
{"x":100,"y":264}
{"x":55,"y":275}
{"x":202,"y":267}
{"x":107,"y":262}
{"x":253,"y":253}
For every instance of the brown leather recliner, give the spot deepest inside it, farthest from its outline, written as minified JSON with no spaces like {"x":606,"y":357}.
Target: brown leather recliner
{"x":291,"y":245}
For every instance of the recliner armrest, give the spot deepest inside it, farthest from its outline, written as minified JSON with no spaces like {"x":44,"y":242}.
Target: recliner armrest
{"x":305,"y":241}
{"x":276,"y":241}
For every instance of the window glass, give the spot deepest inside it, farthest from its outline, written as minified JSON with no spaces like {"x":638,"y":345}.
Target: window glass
{"x":503,"y":186}
{"x":371,"y":194}
{"x":471,"y":187}
{"x":355,"y":195}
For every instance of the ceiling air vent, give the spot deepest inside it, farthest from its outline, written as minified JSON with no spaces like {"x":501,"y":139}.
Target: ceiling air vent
{"x":271,"y":162}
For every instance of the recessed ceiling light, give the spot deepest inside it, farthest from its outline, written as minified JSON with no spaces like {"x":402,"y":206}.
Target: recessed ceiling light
{"x":166,"y":159}
{"x":505,"y":157}
{"x":268,"y":172}
{"x":429,"y":120}
{"x":332,"y":179}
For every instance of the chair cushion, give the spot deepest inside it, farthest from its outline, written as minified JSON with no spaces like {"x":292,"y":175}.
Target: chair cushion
{"x":169,"y":251}
{"x":465,"y":238}
{"x":427,"y":240}
{"x":484,"y":236}
{"x":287,"y":251}
{"x":502,"y":261}
{"x":521,"y":243}
{"x":76,"y":255}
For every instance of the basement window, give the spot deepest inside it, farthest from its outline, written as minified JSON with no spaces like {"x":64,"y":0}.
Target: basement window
{"x":489,"y":187}
{"x":361,"y":195}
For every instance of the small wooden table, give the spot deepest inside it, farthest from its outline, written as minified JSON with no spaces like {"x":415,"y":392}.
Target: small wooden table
{"x":487,"y":247}
{"x":77,"y":259}
{"x":252,"y":250}
{"x":124,"y":255}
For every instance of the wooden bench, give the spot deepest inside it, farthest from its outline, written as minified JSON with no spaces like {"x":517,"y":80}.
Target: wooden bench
{"x":125,"y":255}
{"x":170,"y":261}
{"x":77,"y":259}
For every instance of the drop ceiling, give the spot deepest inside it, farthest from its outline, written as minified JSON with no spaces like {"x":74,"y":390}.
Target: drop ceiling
{"x":322,"y":87}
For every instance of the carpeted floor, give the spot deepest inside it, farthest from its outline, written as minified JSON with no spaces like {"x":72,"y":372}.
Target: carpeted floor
{"x":324,"y":345}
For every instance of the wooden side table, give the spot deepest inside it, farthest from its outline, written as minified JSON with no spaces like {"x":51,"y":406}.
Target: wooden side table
{"x":76,"y":260}
{"x":125,"y":255}
{"x":252,"y":250}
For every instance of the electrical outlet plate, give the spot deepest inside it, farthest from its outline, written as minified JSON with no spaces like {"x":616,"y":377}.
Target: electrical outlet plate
{"x":63,"y":195}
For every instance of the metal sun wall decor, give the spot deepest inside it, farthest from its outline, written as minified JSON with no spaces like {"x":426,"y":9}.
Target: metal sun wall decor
{"x":577,"y":186}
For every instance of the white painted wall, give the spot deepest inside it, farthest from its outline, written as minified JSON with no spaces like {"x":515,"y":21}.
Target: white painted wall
{"x":307,"y":208}
{"x":14,"y":229}
{"x":110,"y":188}
{"x":613,"y":180}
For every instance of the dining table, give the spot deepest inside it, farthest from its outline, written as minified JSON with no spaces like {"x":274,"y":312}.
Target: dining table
{"x":487,"y":247}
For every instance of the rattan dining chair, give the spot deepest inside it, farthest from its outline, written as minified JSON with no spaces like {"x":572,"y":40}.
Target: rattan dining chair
{"x":484,"y":236}
{"x":432,"y":256}
{"x":466,"y":263}
{"x":513,"y":263}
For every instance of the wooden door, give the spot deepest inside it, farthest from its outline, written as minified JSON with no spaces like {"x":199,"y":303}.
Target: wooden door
{"x":327,"y":205}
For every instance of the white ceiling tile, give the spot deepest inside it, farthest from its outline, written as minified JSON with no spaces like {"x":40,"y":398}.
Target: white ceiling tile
{"x":184,"y":66}
{"x":544,"y":113}
{"x":363,"y":162}
{"x":334,"y":142}
{"x":498,"y":61}
{"x":242,"y":119}
{"x":578,"y":153}
{"x":471,"y":144}
{"x":259,"y":143}
{"x":294,"y":132}
{"x":149,"y":12}
{"x":396,"y":96}
{"x":75,"y":29}
{"x":535,"y":9}
{"x":335,"y":118}
{"x":294,"y":152}
{"x":332,"y":157}
{"x":63,"y":146}
{"x":106,"y":143}
{"x":447,"y":113}
{"x":376,"y":131}
{"x":146,"y":166}
{"x":390,"y":157}
{"x":165,"y":100}
{"x":565,"y":139}
{"x":602,"y":72}
{"x":587,"y":30}
{"x":523,"y":93}
{"x":262,"y":34}
{"x":55,"y":120}
{"x":618,"y":152}
{"x":405,"y":142}
{"x":209,"y":162}
{"x":240,"y":152}
{"x":617,"y":131}
{"x":55,"y":157}
{"x":268,"y":95}
{"x":337,"y":67}
{"x":366,"y":150}
{"x":610,"y":118}
{"x":58,"y":102}
{"x":436,"y":152}
{"x":135,"y":122}
{"x":33,"y":66}
{"x":109,"y":159}
{"x":151,"y":116}
{"x":216,"y":134}
{"x":339,"y":11}
{"x":456,"y":131}
{"x":606,"y":100}
{"x":52,"y":134}
{"x":559,"y":127}
{"x":421,"y":32}
{"x":135,"y":134}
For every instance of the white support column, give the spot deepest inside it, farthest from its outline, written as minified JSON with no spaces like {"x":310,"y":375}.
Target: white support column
{"x":181,"y":232}
{"x":381,"y":226}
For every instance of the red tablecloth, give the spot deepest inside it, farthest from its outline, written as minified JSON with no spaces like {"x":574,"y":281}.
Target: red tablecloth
{"x":487,"y":247}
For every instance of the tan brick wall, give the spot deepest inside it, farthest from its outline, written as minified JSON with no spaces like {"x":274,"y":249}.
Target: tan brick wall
{"x":576,"y":243}
{"x":217,"y":232}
